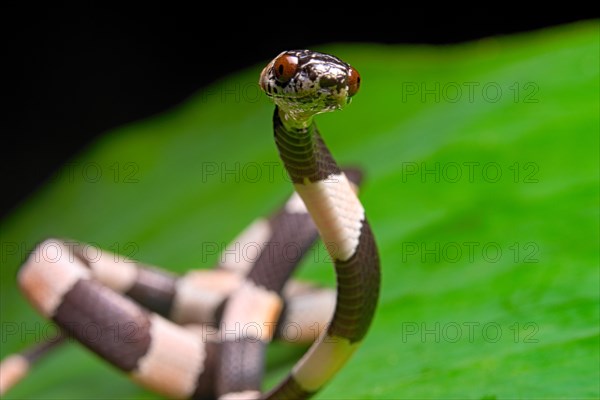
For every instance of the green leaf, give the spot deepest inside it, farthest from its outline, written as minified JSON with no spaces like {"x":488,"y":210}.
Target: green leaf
{"x":482,"y":190}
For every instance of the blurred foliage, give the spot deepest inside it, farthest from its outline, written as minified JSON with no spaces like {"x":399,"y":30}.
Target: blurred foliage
{"x":482,"y":189}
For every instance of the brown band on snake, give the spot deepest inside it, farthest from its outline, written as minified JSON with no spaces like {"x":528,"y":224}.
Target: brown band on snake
{"x":303,"y":152}
{"x":295,"y":235}
{"x":234,"y":356}
{"x":105,"y":322}
{"x":358,"y":288}
{"x":154,"y":289}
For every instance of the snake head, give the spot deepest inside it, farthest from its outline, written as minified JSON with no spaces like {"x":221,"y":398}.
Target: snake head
{"x":304,"y":83}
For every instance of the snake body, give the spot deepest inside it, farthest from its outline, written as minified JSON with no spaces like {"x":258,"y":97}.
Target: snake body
{"x":302,"y":84}
{"x":197,"y":297}
{"x":84,"y":289}
{"x":115,"y":297}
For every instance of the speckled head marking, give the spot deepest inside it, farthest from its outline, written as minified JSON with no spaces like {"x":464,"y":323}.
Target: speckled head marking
{"x":304,"y":83}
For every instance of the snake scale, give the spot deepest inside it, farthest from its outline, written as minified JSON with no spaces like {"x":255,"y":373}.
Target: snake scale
{"x":168,"y":349}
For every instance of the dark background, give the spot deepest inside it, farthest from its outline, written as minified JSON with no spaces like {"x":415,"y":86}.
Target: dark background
{"x":73,"y":73}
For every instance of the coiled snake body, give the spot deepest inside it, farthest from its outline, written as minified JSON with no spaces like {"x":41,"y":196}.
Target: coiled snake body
{"x":171,"y":359}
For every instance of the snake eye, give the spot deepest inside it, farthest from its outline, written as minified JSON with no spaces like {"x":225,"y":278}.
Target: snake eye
{"x":285,"y":66}
{"x":353,"y":81}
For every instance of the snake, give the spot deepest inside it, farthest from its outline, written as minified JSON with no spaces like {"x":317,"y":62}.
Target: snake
{"x":303,"y":84}
{"x":166,"y":357}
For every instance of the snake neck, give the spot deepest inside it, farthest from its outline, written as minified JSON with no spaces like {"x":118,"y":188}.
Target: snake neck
{"x":302,"y":150}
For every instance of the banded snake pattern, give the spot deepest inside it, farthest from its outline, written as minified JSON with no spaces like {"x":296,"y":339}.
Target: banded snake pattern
{"x":172,"y":356}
